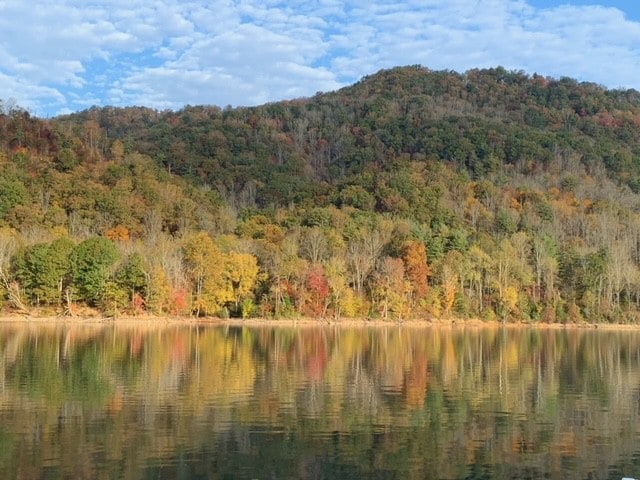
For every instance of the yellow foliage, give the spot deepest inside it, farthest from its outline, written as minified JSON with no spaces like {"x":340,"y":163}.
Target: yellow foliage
{"x":205,"y":265}
{"x":354,"y":305}
{"x":512,"y":354}
{"x":449,"y":296}
{"x":218,"y":279}
{"x":59,"y":231}
{"x":511,"y":298}
{"x":433,"y":303}
{"x":241,"y":273}
{"x":389,"y":289}
{"x":335,"y":272}
{"x":449,"y":289}
{"x":159,"y":292}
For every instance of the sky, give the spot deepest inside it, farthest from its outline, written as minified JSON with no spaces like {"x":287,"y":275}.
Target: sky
{"x":61,"y":56}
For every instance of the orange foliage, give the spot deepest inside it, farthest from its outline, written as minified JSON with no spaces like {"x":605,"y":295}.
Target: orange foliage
{"x":417,"y":268}
{"x":554,"y":192}
{"x":273,"y":233}
{"x":119,"y":233}
{"x":416,"y":381}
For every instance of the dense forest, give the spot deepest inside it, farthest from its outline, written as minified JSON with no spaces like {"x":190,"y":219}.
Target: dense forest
{"x":411,"y":194}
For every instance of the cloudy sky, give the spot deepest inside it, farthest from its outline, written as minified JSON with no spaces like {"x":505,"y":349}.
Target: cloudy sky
{"x":58,"y":56}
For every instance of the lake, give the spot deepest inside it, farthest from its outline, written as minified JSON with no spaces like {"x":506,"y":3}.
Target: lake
{"x":200,"y":402}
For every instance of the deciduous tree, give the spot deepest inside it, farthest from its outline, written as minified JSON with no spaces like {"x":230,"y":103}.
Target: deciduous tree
{"x":91,"y":263}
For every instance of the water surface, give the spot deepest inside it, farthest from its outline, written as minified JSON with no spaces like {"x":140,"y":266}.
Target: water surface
{"x":115,"y":402}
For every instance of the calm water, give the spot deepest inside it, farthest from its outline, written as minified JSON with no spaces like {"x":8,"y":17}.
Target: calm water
{"x":107,"y":402}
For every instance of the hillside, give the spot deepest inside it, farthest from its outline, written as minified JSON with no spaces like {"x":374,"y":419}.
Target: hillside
{"x":412,"y":193}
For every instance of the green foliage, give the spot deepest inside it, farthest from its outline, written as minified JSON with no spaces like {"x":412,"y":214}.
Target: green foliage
{"x":505,"y":222}
{"x":12,"y":193}
{"x":132,"y":275}
{"x":114,"y":298}
{"x":247,"y":308}
{"x":67,"y":160}
{"x":91,"y":263}
{"x":356,"y":196}
{"x":43,"y":270}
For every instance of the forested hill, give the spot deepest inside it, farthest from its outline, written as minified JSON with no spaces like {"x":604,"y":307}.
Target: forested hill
{"x":478,"y":121}
{"x":411,"y":193}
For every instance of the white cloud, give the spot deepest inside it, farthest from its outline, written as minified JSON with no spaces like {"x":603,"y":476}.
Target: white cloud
{"x":167,"y":53}
{"x":29,"y":96}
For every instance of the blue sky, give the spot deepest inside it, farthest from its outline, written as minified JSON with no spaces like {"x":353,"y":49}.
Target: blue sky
{"x":67,"y":55}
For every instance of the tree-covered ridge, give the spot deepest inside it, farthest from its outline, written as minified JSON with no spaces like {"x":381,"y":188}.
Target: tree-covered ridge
{"x":412,"y":193}
{"x":478,"y":121}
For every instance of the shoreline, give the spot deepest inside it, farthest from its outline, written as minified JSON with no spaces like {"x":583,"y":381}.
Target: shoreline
{"x":302,"y":322}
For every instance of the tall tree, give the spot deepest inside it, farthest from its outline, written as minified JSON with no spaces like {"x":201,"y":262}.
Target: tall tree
{"x":43,"y":270}
{"x":91,"y":263}
{"x":416,"y":269}
{"x":205,"y":267}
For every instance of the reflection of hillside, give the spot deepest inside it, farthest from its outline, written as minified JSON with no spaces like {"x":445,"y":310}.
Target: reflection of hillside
{"x":525,"y":402}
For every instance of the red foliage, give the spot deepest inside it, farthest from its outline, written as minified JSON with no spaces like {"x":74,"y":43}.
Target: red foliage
{"x":317,"y":281}
{"x":138,"y":303}
{"x":318,"y":289}
{"x":316,"y":365}
{"x":135,"y":344}
{"x":316,"y":358}
{"x":606,"y":119}
{"x":179,"y":301}
{"x":178,"y":347}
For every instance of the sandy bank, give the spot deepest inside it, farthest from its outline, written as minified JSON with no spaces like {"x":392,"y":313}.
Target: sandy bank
{"x":150,"y":320}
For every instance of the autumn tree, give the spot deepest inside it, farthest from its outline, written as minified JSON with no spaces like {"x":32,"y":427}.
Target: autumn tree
{"x":241,"y":274}
{"x":450,"y":281}
{"x":205,"y":267}
{"x":313,"y":245}
{"x":317,"y":286}
{"x":343,"y":300}
{"x":159,"y":299}
{"x":389,"y":289}
{"x":416,"y":269}
{"x":363,"y":251}
{"x":285,"y":270}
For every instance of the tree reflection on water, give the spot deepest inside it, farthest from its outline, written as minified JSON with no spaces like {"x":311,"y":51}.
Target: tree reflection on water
{"x":317,"y":402}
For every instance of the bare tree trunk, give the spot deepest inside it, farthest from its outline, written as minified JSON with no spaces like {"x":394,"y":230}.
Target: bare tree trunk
{"x":13,"y":293}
